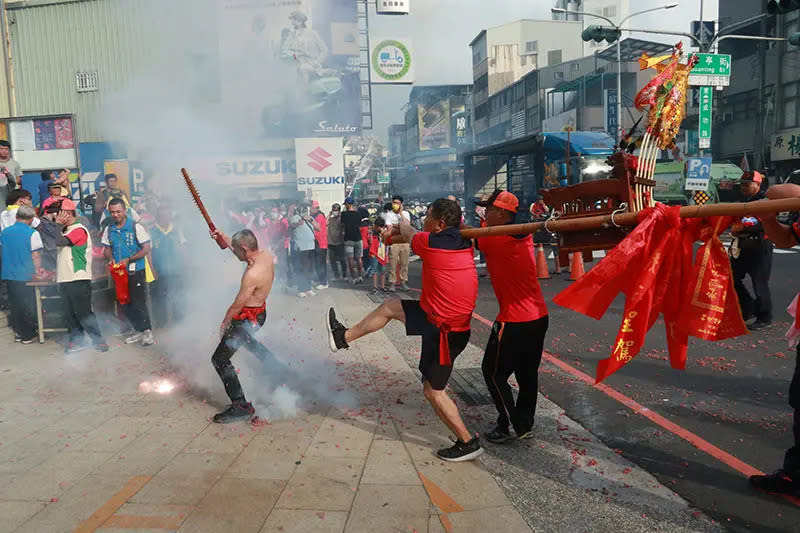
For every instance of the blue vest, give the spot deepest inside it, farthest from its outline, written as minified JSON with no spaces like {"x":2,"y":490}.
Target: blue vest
{"x":124,"y":243}
{"x":16,"y":250}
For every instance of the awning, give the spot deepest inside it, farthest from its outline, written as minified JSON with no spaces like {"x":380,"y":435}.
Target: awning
{"x":580,"y":142}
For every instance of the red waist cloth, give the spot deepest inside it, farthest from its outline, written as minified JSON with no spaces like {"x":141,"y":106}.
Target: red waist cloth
{"x":461,"y":324}
{"x":251,"y":313}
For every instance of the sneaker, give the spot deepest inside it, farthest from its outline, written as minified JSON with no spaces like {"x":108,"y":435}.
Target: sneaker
{"x":17,"y":338}
{"x":28,"y":341}
{"x":136,"y":337}
{"x":384,"y":289}
{"x":74,"y":347}
{"x":302,"y":294}
{"x":375,"y":290}
{"x":778,"y":481}
{"x":235,"y":412}
{"x":404,"y":287}
{"x":147,"y":338}
{"x":392,"y":288}
{"x":461,"y":451}
{"x":102,"y":347}
{"x":527,"y":435}
{"x":499,"y":435}
{"x":758,"y":325}
{"x":336,"y":331}
{"x":311,"y":293}
{"x":321,"y":286}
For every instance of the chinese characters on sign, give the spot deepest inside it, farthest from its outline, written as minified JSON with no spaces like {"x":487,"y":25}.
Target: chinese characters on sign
{"x":785,"y":145}
{"x":711,"y":69}
{"x":706,"y":102}
{"x":610,"y":112}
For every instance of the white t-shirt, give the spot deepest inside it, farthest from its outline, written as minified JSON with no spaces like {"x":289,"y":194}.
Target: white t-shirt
{"x":36,"y":241}
{"x":8,"y":217}
{"x":393,"y":219}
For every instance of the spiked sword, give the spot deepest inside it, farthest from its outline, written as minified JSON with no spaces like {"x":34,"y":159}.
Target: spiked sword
{"x":196,"y":197}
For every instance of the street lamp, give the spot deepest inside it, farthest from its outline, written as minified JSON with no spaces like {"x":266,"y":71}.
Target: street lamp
{"x":618,"y":28}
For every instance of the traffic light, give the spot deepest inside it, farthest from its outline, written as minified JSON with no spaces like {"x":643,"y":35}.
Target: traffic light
{"x":782,"y":6}
{"x":599,"y":34}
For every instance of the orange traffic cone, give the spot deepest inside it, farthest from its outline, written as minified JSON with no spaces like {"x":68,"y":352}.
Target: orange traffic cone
{"x":541,"y":263}
{"x":576,"y":270}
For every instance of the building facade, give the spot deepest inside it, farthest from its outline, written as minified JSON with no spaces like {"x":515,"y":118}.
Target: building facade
{"x":615,"y":10}
{"x":424,"y":152}
{"x":502,"y":55}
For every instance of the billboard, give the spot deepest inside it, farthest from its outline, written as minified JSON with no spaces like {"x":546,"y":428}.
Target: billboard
{"x":392,"y":61}
{"x":434,"y":125}
{"x":392,"y":7}
{"x":459,"y":120}
{"x":320,"y":164}
{"x":290,"y":68}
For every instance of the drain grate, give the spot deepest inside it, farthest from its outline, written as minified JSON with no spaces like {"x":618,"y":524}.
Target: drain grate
{"x":468,"y":384}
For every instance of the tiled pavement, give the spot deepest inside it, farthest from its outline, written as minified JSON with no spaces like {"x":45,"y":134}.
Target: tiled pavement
{"x":83,"y":448}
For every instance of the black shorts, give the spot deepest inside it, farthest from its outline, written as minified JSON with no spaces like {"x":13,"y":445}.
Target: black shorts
{"x":417,"y":324}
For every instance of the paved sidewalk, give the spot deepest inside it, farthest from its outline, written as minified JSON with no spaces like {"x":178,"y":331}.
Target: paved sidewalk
{"x":85,"y":447}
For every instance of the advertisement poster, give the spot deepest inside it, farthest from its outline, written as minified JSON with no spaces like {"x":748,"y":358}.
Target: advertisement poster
{"x":64,"y":137}
{"x":434,"y":125}
{"x":320,"y":164}
{"x":290,"y":68}
{"x":44,"y":134}
{"x":392,"y":61}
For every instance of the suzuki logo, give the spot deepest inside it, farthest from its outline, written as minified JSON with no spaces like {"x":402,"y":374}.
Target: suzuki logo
{"x":319,"y":159}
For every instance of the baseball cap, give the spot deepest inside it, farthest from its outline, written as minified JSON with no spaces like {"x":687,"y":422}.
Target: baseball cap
{"x":349,"y":201}
{"x":502,"y":199}
{"x":754,"y":176}
{"x":314,"y":203}
{"x":68,"y":205}
{"x":54,"y":185}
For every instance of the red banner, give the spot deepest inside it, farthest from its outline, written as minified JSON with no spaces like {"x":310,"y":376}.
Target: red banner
{"x":120,"y":278}
{"x":653,"y":268}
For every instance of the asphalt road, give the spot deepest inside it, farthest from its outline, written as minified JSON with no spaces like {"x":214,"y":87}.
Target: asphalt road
{"x":732,"y":394}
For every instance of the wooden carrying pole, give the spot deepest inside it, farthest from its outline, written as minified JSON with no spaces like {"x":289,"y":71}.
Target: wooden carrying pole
{"x":761,"y":207}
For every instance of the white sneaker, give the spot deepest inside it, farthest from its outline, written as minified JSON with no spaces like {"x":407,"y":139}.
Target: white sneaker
{"x":311,"y":293}
{"x":321,"y":286}
{"x":147,"y":338}
{"x":136,"y":337}
{"x":302,"y":294}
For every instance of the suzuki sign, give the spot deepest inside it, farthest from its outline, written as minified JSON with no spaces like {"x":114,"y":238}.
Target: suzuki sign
{"x":320,"y":164}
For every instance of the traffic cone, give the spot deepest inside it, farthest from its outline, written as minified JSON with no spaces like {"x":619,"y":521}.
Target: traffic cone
{"x":576,"y":270}
{"x":541,"y":263}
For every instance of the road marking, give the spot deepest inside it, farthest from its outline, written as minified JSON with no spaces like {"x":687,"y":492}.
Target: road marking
{"x":442,"y":500}
{"x":105,"y":512}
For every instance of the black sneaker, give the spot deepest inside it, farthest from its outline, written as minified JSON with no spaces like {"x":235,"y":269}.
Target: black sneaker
{"x":499,"y":435}
{"x":778,"y":481}
{"x":336,"y":331}
{"x":758,"y":324}
{"x":235,"y":412}
{"x":461,"y":451}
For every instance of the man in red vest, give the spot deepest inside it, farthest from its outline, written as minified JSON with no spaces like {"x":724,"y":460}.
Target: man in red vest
{"x":441,"y":316}
{"x":517,"y":338}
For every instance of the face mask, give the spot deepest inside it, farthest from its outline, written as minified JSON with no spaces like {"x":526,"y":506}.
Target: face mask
{"x":273,"y":216}
{"x":283,"y":213}
{"x":396,"y":208}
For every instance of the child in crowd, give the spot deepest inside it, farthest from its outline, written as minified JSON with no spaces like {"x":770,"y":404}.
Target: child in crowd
{"x":377,"y":255}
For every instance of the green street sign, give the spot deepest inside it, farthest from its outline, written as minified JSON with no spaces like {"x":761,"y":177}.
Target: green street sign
{"x":712,"y":65}
{"x":706,"y":104}
{"x":384,"y":179}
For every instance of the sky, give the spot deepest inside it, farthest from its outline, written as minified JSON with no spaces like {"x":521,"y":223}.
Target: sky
{"x":441,"y":30}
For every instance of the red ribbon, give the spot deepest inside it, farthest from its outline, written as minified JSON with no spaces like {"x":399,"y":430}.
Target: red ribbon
{"x":444,"y":329}
{"x":653,"y":268}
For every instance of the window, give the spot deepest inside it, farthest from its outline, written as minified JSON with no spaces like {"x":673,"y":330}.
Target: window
{"x":553,"y":57}
{"x":523,"y":60}
{"x":575,"y":67}
{"x":610,"y":11}
{"x":558,"y":75}
{"x":790,"y":99}
{"x":86,"y":81}
{"x":531,"y":47}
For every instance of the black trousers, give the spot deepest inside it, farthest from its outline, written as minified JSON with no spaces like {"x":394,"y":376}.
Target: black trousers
{"x":791,"y":461}
{"x":239,"y":333}
{"x":338,"y":262}
{"x":136,"y":310}
{"x":321,"y":265}
{"x":165,"y":297}
{"x":304,"y":269}
{"x":757,"y":263}
{"x":22,"y":304}
{"x":515,"y":348}
{"x":76,"y":299}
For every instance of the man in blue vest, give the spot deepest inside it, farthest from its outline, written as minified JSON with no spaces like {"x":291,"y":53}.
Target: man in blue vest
{"x":127,"y":243}
{"x":21,"y":246}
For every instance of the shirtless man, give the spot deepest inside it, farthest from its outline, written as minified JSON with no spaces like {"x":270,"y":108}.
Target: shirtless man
{"x":245,"y":316}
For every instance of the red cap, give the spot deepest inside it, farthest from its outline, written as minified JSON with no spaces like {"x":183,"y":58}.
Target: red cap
{"x":68,"y":205}
{"x":314,"y":203}
{"x":755,"y":177}
{"x":503,"y":200}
